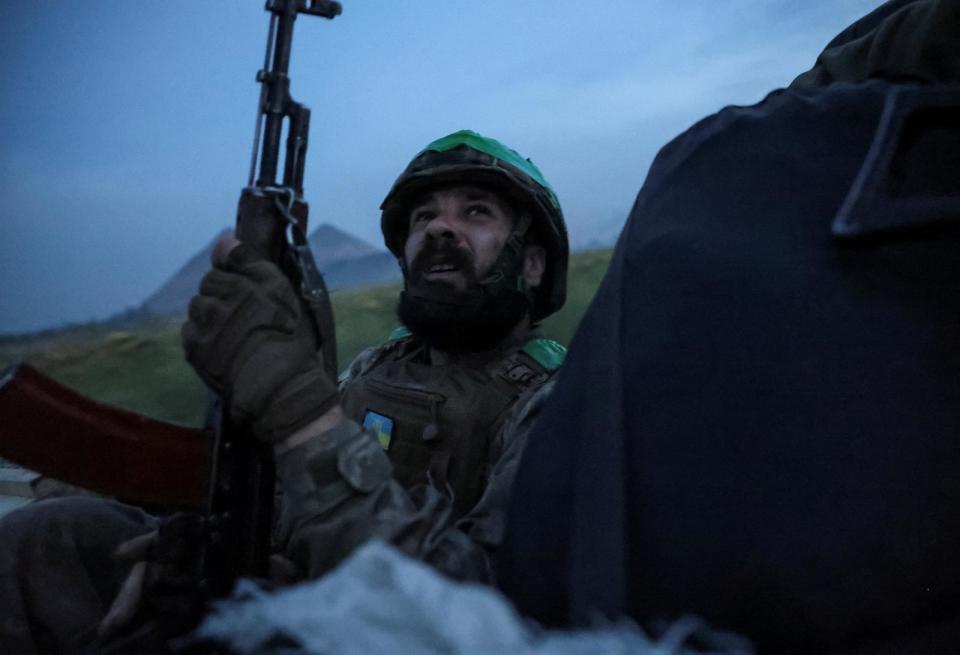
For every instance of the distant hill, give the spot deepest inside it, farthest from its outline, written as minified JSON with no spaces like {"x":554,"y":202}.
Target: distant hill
{"x":346,"y":262}
{"x":172,"y":297}
{"x":330,"y":245}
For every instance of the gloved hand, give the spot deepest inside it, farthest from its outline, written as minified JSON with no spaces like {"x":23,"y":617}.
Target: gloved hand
{"x":164,"y":578}
{"x":247,"y":338}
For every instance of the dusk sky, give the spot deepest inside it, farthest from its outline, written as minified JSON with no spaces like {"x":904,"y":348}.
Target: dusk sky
{"x":127,"y":126}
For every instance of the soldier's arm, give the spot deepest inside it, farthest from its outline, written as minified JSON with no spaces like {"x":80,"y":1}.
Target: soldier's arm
{"x":339,"y":493}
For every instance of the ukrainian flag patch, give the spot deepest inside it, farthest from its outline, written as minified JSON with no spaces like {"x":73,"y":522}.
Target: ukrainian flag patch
{"x":381,"y":425}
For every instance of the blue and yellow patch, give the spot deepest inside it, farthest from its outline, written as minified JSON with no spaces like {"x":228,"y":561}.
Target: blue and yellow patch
{"x":381,"y":425}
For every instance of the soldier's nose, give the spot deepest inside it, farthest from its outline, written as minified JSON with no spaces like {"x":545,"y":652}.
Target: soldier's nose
{"x":440,"y":228}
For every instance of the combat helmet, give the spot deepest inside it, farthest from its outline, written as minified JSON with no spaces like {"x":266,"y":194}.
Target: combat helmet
{"x":466,"y":157}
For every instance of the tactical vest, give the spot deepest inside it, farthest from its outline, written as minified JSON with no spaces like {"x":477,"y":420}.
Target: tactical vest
{"x":437,"y":423}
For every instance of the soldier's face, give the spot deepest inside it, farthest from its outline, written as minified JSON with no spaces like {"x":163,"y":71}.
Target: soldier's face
{"x":456,"y":234}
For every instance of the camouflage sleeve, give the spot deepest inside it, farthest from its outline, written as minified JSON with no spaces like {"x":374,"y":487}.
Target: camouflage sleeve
{"x":325,"y":519}
{"x":359,"y":363}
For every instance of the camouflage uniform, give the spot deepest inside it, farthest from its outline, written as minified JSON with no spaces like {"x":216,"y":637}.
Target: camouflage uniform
{"x":453,"y":520}
{"x":58,"y":575}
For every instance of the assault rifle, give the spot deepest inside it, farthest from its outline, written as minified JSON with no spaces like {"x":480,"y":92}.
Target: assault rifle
{"x":272,"y":217}
{"x":139,"y":460}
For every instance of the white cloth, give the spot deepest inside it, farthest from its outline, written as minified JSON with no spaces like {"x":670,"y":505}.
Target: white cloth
{"x":380,"y":601}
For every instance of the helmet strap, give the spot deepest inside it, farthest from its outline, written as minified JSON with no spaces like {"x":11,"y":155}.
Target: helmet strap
{"x":510,"y":261}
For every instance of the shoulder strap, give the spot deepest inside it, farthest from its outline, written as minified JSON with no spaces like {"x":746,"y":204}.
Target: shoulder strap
{"x":398,"y":340}
{"x":546,"y":352}
{"x":531,"y":365}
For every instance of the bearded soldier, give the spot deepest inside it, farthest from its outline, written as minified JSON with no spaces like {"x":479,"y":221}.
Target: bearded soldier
{"x":480,"y":238}
{"x":418,"y":443}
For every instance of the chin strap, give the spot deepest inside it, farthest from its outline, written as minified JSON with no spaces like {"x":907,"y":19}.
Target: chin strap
{"x":510,"y":260}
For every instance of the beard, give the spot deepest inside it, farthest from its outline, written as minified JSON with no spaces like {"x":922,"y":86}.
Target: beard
{"x":472,"y":319}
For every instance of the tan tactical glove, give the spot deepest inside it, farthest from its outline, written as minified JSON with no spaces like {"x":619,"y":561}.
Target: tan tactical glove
{"x":247,"y":338}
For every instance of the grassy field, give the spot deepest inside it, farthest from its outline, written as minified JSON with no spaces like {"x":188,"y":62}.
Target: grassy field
{"x":143,"y":369}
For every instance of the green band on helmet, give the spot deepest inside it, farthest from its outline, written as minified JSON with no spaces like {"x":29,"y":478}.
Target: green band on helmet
{"x":496,"y":149}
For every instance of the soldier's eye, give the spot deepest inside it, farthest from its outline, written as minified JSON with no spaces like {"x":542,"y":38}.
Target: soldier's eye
{"x":419,"y":216}
{"x":475,"y":209}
